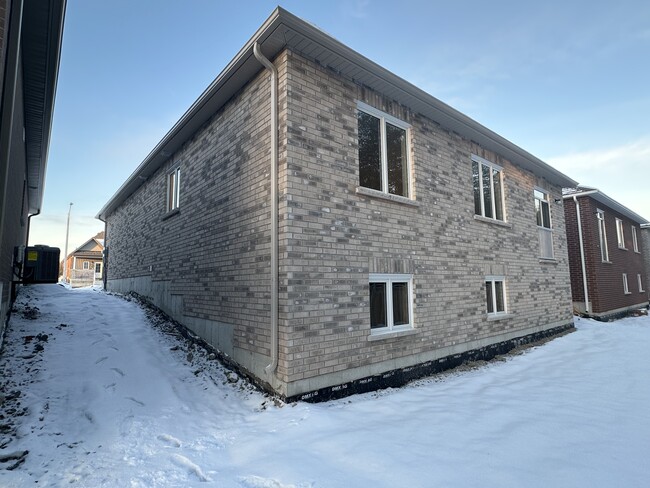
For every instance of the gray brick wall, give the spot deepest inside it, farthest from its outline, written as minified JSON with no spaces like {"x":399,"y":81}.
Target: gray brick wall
{"x":339,"y":236}
{"x":208,"y":265}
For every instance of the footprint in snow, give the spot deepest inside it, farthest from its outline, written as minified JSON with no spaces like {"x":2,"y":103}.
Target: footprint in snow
{"x":191,"y":467}
{"x":118,"y":371}
{"x":172,"y":441}
{"x":101,"y":360}
{"x":135,"y":401}
{"x":111,"y":386}
{"x":258,"y":482}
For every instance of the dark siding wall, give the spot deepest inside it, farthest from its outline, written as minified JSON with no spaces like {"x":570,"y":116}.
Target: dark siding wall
{"x":14,"y":219}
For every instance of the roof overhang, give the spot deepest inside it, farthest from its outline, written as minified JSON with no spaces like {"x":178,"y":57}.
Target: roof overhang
{"x":41,"y":39}
{"x":603,"y":199}
{"x":284,"y":30}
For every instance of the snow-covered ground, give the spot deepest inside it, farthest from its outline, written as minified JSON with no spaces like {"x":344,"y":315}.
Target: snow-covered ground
{"x":106,"y":399}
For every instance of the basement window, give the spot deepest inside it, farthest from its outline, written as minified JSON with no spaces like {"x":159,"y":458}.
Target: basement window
{"x":391,"y":302}
{"x":495,"y":296}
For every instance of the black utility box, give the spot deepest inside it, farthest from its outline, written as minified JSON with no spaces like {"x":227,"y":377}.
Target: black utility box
{"x":41,"y":264}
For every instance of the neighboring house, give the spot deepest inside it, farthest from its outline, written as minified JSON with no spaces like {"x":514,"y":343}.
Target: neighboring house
{"x":608,"y":273}
{"x":30,"y":46}
{"x":398,"y":237}
{"x":86,"y":263}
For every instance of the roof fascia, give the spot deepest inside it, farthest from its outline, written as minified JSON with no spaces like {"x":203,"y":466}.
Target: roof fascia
{"x":602,"y":198}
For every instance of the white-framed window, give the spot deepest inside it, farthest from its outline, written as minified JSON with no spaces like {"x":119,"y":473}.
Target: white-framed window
{"x":635,"y":242}
{"x":173,"y":189}
{"x":543,"y":217}
{"x":602,"y":235}
{"x":640,"y":282}
{"x":86,"y":265}
{"x":98,"y":267}
{"x":391,"y":302}
{"x":383,"y":151}
{"x":626,"y":288}
{"x":620,"y":236}
{"x":487,"y":180}
{"x":495,"y":295}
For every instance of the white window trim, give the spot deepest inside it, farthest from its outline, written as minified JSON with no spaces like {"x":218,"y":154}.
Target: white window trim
{"x":383,"y":118}
{"x":176,"y":198}
{"x":389,"y":279}
{"x":492,"y":280}
{"x":620,"y":235}
{"x":548,"y":202}
{"x":626,"y":288}
{"x":635,"y":241}
{"x":541,"y":228}
{"x":602,"y":235}
{"x":640,"y":282}
{"x":86,"y":265}
{"x":100,"y":267}
{"x":483,"y":161}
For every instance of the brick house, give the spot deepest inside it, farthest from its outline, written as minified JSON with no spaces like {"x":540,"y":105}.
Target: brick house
{"x":30,"y":46}
{"x":86,"y":263}
{"x":645,"y":243}
{"x":608,"y":272}
{"x":331,"y":228}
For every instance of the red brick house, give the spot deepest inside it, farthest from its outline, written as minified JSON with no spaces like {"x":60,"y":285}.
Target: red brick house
{"x":608,"y":273}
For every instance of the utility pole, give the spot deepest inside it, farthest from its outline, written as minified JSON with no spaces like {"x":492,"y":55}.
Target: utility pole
{"x":65,"y":252}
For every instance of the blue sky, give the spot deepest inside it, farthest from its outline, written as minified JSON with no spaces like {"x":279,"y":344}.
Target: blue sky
{"x":567,"y":81}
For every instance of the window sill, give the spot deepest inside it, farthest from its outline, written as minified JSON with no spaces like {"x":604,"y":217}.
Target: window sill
{"x":548,"y":260}
{"x":627,"y":293}
{"x":622,"y":248}
{"x":171,"y":213}
{"x":499,"y":316}
{"x":637,"y":252}
{"x":378,"y":336}
{"x":606,"y":262}
{"x":488,"y":220}
{"x":369,"y":192}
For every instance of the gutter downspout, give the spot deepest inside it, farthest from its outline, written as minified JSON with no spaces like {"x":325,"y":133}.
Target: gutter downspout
{"x":273,"y":366}
{"x":582,"y":256}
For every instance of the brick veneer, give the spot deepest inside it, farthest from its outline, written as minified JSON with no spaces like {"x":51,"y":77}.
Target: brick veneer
{"x":208,"y":265}
{"x":604,"y":279}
